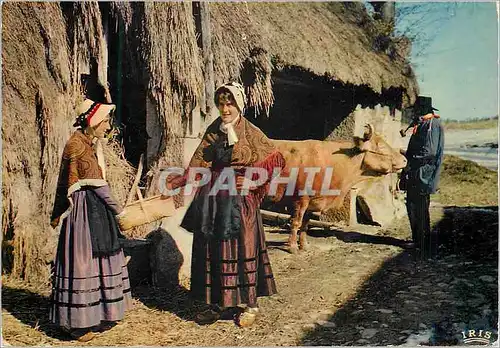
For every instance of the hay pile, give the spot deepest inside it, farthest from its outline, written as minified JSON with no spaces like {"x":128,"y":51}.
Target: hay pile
{"x":41,"y":71}
{"x":37,"y":101}
{"x":458,"y":172}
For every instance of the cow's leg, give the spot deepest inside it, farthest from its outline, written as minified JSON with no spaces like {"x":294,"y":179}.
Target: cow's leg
{"x":300,"y":208}
{"x":303,"y":245}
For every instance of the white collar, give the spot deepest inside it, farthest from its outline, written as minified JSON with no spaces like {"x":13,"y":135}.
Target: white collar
{"x":228,"y":128}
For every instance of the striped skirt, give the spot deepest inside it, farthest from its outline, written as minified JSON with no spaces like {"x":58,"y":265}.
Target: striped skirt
{"x":86,"y":290}
{"x":236,"y":271}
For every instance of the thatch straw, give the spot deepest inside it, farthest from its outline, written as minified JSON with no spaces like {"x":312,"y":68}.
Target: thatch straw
{"x":164,"y":36}
{"x":239,"y":54}
{"x":256,"y":75}
{"x":175,"y":81}
{"x":333,"y":39}
{"x":36,"y":102}
{"x":124,"y":11}
{"x":161,"y":68}
{"x":88,"y":45}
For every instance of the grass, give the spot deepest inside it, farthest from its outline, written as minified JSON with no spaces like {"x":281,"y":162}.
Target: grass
{"x":483,"y":123}
{"x":466,"y":183}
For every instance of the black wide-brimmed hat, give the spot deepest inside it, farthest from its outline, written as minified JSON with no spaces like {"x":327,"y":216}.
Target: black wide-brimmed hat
{"x":423,"y":105}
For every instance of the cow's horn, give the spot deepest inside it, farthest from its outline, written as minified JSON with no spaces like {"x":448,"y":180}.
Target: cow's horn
{"x":368,"y":132}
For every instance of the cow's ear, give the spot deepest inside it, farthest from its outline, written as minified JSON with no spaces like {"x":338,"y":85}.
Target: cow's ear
{"x":361,"y":144}
{"x":357,"y":141}
{"x":368,"y":132}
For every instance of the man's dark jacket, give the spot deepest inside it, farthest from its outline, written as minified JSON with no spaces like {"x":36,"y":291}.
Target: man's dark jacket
{"x":425,"y":156}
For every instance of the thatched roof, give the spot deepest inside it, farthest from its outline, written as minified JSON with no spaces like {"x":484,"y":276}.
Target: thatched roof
{"x":249,"y":41}
{"x":331,"y":39}
{"x":161,"y":50}
{"x":34,"y":103}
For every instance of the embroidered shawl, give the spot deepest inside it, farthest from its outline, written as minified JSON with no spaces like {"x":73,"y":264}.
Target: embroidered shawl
{"x":79,"y":167}
{"x":252,"y":146}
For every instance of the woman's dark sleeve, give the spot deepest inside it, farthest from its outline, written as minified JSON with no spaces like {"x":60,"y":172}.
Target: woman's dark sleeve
{"x":104,"y":193}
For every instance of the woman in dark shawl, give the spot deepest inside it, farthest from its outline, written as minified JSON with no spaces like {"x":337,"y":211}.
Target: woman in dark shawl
{"x":90,"y":279}
{"x":230,"y":265}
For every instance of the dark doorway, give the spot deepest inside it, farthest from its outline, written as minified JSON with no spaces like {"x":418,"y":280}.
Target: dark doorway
{"x":308,"y":106}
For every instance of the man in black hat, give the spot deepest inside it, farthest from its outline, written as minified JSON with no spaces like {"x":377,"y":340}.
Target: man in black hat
{"x":425,"y":158}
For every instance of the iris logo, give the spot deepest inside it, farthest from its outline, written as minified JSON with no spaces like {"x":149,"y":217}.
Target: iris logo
{"x":476,"y":336}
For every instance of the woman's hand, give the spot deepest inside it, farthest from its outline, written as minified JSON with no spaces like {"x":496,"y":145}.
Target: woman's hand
{"x":169,"y":186}
{"x":121,"y":214}
{"x":243,"y":182}
{"x":118,"y":218}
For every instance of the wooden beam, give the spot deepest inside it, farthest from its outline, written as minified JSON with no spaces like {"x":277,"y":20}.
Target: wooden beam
{"x":135,"y":185}
{"x":208,"y":59}
{"x":273,"y":217}
{"x":279,"y":218}
{"x":290,"y":81}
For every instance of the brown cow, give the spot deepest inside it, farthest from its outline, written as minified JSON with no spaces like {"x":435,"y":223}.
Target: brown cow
{"x":352,"y":162}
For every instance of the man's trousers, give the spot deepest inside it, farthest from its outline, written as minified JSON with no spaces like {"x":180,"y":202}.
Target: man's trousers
{"x":417,"y":205}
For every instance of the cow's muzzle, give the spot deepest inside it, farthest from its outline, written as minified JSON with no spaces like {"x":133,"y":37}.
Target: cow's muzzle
{"x":399,"y":164}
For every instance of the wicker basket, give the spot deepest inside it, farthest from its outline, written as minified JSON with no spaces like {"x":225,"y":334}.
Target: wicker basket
{"x":145,"y":211}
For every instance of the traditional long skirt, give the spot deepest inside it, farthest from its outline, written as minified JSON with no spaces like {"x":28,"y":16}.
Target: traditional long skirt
{"x":86,"y":289}
{"x":234,"y":271}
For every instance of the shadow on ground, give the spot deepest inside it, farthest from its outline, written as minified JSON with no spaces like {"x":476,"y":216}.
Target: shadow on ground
{"x":415,"y":300}
{"x":154,"y":275}
{"x":279,"y":245}
{"x":31,"y":309}
{"x":175,"y":300}
{"x":357,"y":237}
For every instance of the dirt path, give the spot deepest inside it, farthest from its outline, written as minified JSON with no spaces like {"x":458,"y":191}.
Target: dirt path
{"x":354,"y":287}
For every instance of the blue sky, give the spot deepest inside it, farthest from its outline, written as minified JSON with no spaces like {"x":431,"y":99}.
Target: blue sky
{"x":455,"y":55}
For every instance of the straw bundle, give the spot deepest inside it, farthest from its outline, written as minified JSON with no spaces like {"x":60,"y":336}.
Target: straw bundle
{"x":145,"y":211}
{"x":256,"y":74}
{"x":36,"y":102}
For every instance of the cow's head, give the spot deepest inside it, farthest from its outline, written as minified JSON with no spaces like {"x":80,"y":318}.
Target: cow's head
{"x":378,"y":157}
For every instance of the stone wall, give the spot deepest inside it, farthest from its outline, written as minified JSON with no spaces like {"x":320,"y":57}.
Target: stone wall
{"x":381,"y":203}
